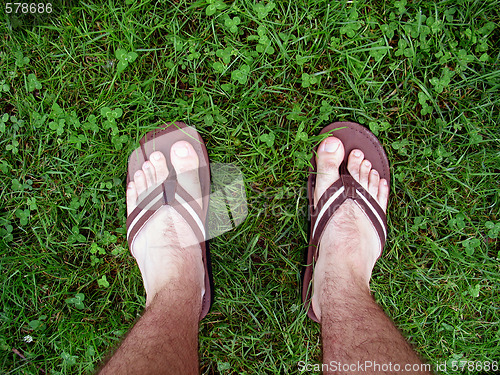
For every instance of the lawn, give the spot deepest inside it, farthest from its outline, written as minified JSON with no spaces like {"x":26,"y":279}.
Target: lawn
{"x":79,"y":86}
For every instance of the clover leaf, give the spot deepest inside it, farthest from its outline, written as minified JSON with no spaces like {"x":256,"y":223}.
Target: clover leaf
{"x":422,"y":99}
{"x":68,"y":359}
{"x":224,"y":54}
{"x":118,"y":141}
{"x":57,"y":125}
{"x":111,"y":114}
{"x":264,"y":41}
{"x":108,"y":238}
{"x":268,"y":139}
{"x":379,"y":50}
{"x":103,"y":282}
{"x":375,"y":127}
{"x":218,"y":67}
{"x":33,"y":83}
{"x":263,"y":10}
{"x":494,"y":229}
{"x":77,"y":301}
{"x":20,"y":59}
{"x":32,"y":203}
{"x":76,"y":236}
{"x":301,"y":135}
{"x":464,"y":58}
{"x":470,"y":244}
{"x":38,"y":120}
{"x":296,"y":114}
{"x":124,"y":58}
{"x":350,"y":28}
{"x":77,"y":140}
{"x":325,"y":110}
{"x":13,"y":147}
{"x":3,"y":121}
{"x":301,"y":60}
{"x":440,"y":83}
{"x":474,"y":290}
{"x":232,"y":24}
{"x":308,"y":80}
{"x":301,"y":158}
{"x":90,"y":124}
{"x":400,"y":146}
{"x":388,"y":29}
{"x":241,"y":74}
{"x":6,"y":232}
{"x":95,"y":251}
{"x":401,"y":5}
{"x":214,"y":6}
{"x":4,"y":87}
{"x":23,"y":215}
{"x":404,"y":49}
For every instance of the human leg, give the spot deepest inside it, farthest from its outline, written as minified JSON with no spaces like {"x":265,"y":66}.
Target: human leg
{"x":165,"y":339}
{"x":354,"y":328}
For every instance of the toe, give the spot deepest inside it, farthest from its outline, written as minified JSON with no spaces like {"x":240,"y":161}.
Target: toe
{"x":140,"y":182}
{"x":383,"y":193}
{"x":373,"y":183}
{"x":159,"y":163}
{"x":364,"y":171}
{"x":131,"y":197}
{"x":354,"y":163}
{"x":149,"y":172}
{"x":328,"y":159}
{"x":186,"y":162}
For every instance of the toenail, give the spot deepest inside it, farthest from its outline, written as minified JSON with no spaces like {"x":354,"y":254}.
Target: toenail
{"x":146,"y":165}
{"x":384,"y":182}
{"x":375,"y":172}
{"x":130,"y":185}
{"x":181,"y":151}
{"x":367,"y":163}
{"x":357,"y":153}
{"x":156,"y":156}
{"x":138,"y":174}
{"x":332,"y":145}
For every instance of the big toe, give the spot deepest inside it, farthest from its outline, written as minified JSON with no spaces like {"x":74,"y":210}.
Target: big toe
{"x":328,"y":159}
{"x":186,"y":163}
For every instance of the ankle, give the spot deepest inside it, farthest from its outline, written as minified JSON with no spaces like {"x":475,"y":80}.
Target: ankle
{"x":351,"y":271}
{"x":340,"y":292}
{"x":185,"y":290}
{"x":185,"y":280}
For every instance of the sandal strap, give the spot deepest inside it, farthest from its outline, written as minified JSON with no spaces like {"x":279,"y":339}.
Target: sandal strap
{"x":346,"y":187}
{"x":167,"y":193}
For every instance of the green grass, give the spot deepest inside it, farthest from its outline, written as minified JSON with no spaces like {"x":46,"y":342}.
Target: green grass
{"x":423,"y":76}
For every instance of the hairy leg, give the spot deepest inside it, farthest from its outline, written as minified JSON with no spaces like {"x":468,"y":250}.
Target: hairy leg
{"x":355,"y":330}
{"x":165,"y":339}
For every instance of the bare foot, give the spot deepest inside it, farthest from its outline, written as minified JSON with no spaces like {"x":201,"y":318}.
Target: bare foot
{"x":350,"y":245}
{"x":164,"y":248}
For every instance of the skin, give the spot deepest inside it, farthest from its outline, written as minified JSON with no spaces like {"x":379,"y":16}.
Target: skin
{"x":354,"y":328}
{"x":165,"y":339}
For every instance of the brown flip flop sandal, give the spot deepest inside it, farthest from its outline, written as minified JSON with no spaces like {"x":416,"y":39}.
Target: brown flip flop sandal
{"x":169,"y":192}
{"x":353,"y":136}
